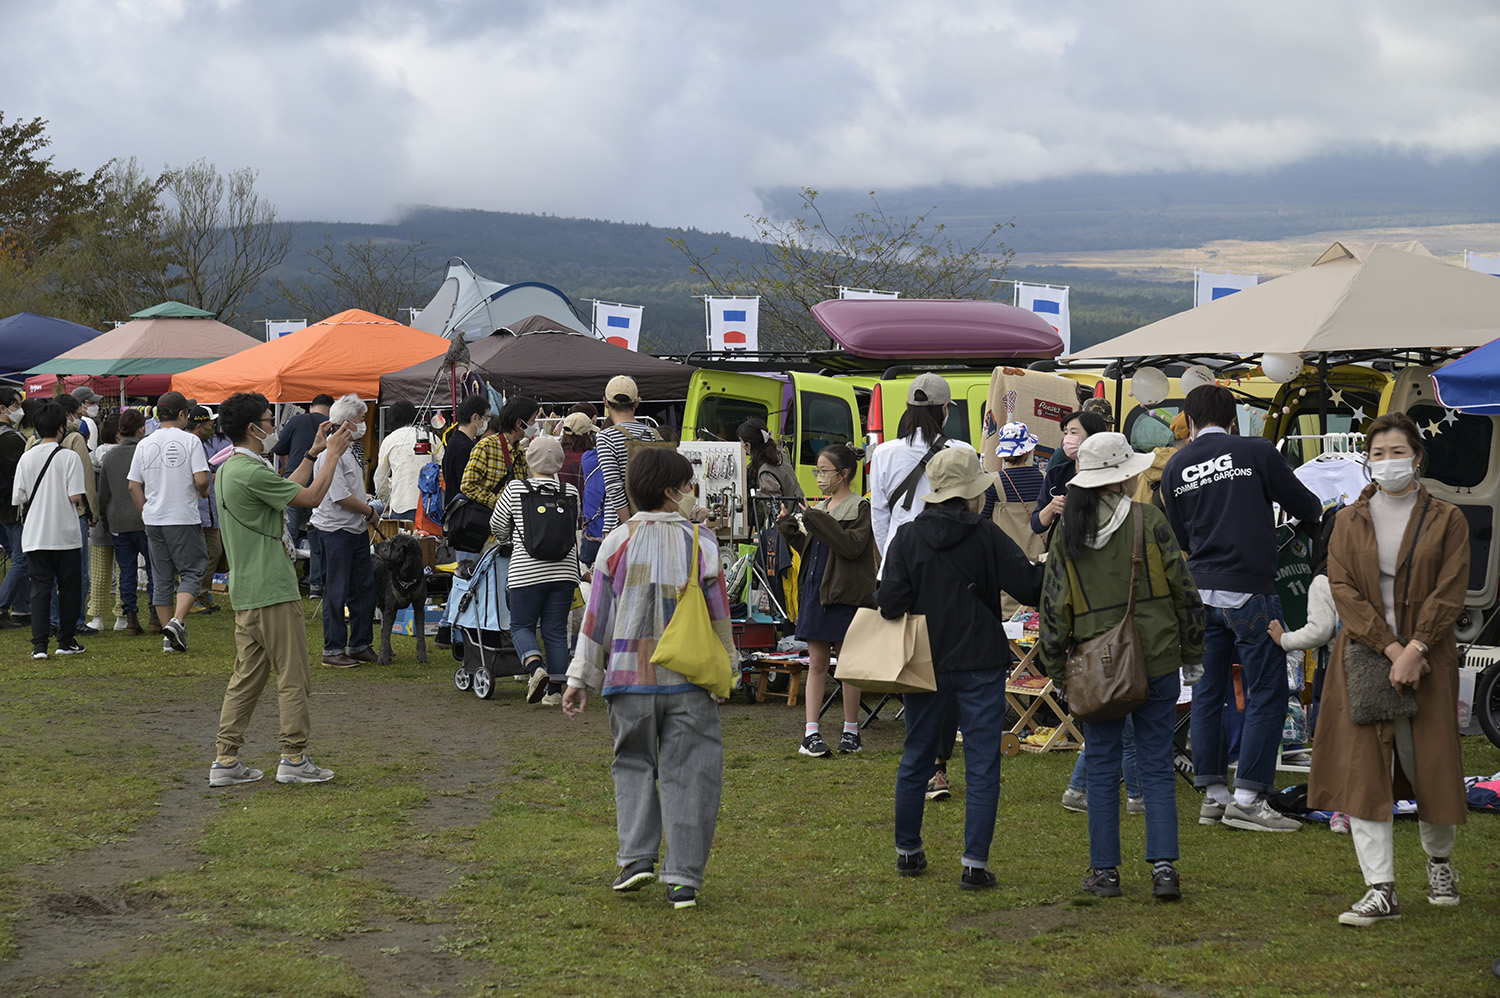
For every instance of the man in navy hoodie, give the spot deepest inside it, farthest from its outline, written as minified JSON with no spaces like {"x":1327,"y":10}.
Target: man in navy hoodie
{"x":1218,"y":493}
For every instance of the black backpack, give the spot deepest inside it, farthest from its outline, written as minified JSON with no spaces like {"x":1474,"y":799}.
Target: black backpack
{"x":549,"y":517}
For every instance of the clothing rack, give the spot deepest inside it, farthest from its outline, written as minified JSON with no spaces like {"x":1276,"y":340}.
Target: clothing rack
{"x":1334,"y":444}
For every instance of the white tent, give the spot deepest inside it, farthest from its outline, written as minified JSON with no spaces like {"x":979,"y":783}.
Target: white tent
{"x":471,"y":306}
{"x":1355,"y":297}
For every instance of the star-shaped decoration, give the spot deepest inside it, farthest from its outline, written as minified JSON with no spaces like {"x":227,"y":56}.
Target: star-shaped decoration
{"x":1450,"y":416}
{"x":1336,"y":397}
{"x":1359,"y":415}
{"x":1434,"y":428}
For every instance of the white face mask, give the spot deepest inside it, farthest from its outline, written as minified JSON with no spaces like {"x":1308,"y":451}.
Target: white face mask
{"x":531,"y":431}
{"x":359,"y":430}
{"x":15,"y":414}
{"x":1395,"y":474}
{"x":268,"y":442}
{"x":92,"y":411}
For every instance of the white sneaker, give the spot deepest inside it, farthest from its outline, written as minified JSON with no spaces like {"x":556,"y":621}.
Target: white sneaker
{"x":1258,"y":817}
{"x":220,"y":775}
{"x":302,"y":771}
{"x":122,"y":624}
{"x":1075,"y":800}
{"x":1378,"y":905}
{"x":552,"y":700}
{"x":1442,"y":884}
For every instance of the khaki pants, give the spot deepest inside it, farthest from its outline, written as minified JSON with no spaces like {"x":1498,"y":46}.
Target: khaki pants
{"x":214,"y":542}
{"x":267,"y":640}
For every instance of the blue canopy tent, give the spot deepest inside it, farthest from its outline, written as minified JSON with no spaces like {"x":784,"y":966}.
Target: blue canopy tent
{"x":1472,"y":382}
{"x":28,"y":339}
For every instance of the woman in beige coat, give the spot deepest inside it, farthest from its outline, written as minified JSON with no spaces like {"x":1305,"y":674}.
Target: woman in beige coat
{"x":1398,"y":565}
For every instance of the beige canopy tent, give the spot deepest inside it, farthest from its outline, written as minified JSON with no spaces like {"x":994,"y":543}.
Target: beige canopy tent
{"x":1354,"y":298}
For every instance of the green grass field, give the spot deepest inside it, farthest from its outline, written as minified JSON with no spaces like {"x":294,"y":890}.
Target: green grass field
{"x":466,"y":848}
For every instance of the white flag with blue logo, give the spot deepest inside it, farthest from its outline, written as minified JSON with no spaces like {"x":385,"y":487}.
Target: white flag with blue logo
{"x":1051,"y":304}
{"x":1487,"y":264}
{"x":1209,"y":287}
{"x":618,"y":324}
{"x":733,"y":323}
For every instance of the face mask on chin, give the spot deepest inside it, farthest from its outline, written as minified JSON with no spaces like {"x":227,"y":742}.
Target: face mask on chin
{"x":1393,"y":475}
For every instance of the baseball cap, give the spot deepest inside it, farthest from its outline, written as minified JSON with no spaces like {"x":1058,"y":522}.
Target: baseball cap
{"x":578,"y":424}
{"x":621,"y":390}
{"x":928,"y":389}
{"x":200,"y":414}
{"x":86,"y":395}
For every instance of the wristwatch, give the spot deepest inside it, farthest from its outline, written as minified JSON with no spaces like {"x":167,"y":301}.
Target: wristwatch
{"x":1420,"y":646}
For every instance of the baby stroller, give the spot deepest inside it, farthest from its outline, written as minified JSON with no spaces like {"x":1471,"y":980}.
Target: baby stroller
{"x":478,"y":618}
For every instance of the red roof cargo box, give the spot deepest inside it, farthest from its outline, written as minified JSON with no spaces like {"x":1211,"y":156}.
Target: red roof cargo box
{"x":930,"y":328}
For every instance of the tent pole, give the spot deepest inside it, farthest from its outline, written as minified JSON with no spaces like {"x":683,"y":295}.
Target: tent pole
{"x":1120,"y":396}
{"x":1323,"y":392}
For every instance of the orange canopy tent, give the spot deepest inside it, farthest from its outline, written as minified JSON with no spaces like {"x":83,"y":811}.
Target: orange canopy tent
{"x":344,"y":353}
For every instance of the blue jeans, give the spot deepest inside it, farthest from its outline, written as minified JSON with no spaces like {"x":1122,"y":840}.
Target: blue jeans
{"x":980,"y":698}
{"x":129,"y":549}
{"x":15,"y":591}
{"x":1239,"y":635}
{"x":1154,"y":725}
{"x":588,"y":550}
{"x":1080,"y":781}
{"x":83,"y":603}
{"x":348,"y":581}
{"x":543,"y":607}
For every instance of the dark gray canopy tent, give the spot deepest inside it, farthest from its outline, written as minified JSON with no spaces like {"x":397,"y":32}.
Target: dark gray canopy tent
{"x":543,"y":358}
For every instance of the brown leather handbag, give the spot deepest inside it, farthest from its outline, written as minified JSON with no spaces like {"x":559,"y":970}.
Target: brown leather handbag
{"x":1107,"y":674}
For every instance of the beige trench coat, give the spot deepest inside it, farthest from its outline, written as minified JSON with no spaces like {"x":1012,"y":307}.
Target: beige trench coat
{"x":1351,"y":770}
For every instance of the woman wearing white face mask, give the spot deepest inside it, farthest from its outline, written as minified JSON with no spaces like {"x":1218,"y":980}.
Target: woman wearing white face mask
{"x":1398,"y":566}
{"x":1076,"y":428}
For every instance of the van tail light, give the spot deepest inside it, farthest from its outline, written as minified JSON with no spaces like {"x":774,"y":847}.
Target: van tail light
{"x":875,"y":418}
{"x":1098,"y":389}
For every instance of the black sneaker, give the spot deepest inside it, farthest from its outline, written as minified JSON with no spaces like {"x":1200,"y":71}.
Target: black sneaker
{"x":85,"y":629}
{"x":911,"y":866}
{"x":681,"y":896}
{"x":71,"y":648}
{"x":849,"y":742}
{"x":175,"y":635}
{"x":1103,"y":882}
{"x":976,"y":878}
{"x":1166,"y":884}
{"x":815,"y":746}
{"x":636,"y":875}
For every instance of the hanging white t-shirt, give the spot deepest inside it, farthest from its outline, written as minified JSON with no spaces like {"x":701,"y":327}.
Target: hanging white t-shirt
{"x":1334,"y":479}
{"x":52,"y":519}
{"x":164,"y":464}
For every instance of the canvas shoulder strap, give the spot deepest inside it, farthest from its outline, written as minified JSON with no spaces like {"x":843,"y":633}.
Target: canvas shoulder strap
{"x":38,"y":484}
{"x":906,"y":492}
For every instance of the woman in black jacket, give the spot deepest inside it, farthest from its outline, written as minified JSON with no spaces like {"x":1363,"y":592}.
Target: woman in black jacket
{"x":950,"y":565}
{"x":1076,"y":428}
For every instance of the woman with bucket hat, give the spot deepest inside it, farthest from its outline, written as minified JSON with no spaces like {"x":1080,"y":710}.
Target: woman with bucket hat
{"x":1097,"y":542}
{"x":950,"y":564}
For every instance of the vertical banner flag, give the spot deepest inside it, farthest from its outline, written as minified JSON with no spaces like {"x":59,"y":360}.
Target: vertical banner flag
{"x":1051,"y":304}
{"x":276,"y":328}
{"x":1487,"y":264}
{"x":733,"y":323}
{"x":867,"y":293}
{"x":618,"y":324}
{"x":1211,"y":287}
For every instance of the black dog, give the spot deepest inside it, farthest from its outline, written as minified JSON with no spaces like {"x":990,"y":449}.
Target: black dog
{"x":400,"y":582}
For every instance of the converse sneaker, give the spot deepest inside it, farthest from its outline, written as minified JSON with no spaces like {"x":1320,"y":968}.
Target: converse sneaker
{"x":1442,"y":884}
{"x":815,"y":746}
{"x":937,"y":787}
{"x":682,"y":896}
{"x":636,"y":875}
{"x":1378,"y":905}
{"x":1258,"y":817}
{"x":912,"y":865}
{"x":303,"y":770}
{"x":220,"y":775}
{"x":1103,"y":882}
{"x":849,"y":742}
{"x":1075,"y":800}
{"x":1211,"y":813}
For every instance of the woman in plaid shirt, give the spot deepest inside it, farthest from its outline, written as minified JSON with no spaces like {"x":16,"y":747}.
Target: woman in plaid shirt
{"x":669,"y":753}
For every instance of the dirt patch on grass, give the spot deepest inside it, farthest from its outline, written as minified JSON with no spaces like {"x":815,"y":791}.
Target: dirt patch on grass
{"x":1019,"y":924}
{"x":82,"y":911}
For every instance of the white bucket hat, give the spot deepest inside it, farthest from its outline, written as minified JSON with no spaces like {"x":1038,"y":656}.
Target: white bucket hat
{"x":1107,"y":458}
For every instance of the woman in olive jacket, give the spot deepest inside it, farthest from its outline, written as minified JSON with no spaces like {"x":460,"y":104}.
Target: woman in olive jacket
{"x":1398,"y":565}
{"x":1085,"y":592}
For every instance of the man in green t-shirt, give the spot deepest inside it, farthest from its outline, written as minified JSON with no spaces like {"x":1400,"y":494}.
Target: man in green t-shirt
{"x":270,"y":631}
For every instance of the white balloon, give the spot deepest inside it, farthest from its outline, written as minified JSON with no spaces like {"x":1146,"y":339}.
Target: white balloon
{"x":1281,"y":367}
{"x":1149,"y":386}
{"x":1196,"y":377}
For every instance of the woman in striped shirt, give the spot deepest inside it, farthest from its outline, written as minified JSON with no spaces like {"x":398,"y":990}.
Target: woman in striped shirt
{"x":540,"y":588}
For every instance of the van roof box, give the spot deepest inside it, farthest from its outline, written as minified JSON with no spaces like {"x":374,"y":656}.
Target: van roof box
{"x":936,"y":329}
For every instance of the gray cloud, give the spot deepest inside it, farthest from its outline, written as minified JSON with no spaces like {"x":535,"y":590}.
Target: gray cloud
{"x":676,"y":112}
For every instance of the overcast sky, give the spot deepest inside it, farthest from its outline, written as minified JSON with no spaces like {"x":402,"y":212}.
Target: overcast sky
{"x":676,"y":112}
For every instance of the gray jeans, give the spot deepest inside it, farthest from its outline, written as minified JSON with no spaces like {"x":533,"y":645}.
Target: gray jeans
{"x":177,"y":552}
{"x":669,"y":773}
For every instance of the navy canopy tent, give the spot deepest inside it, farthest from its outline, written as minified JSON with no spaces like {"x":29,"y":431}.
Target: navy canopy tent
{"x":1472,"y":382}
{"x":28,"y":339}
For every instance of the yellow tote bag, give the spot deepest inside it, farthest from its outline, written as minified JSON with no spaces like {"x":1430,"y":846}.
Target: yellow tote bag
{"x":689,"y":645}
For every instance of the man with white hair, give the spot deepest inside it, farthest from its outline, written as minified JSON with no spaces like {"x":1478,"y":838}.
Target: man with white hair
{"x":343,"y":520}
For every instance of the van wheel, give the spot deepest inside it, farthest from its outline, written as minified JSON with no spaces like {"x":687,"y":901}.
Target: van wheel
{"x":1487,"y":702}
